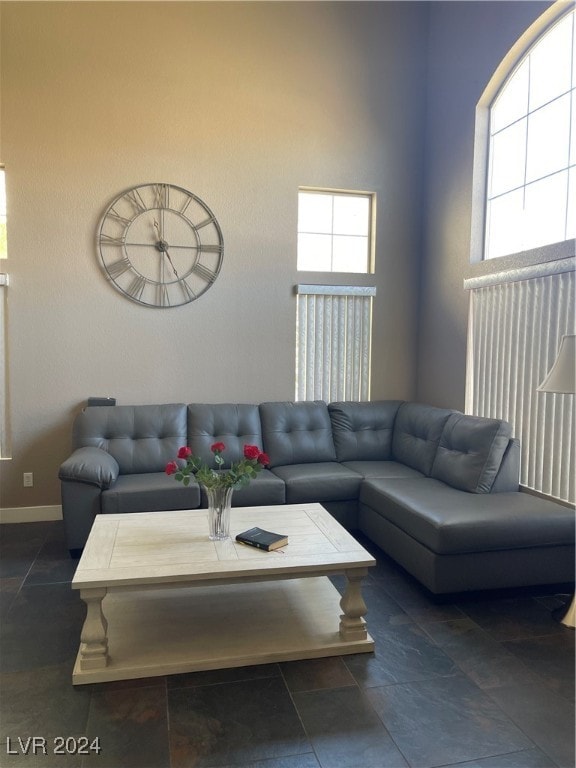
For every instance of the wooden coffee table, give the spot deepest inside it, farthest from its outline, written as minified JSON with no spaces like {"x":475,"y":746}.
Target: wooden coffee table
{"x":163,"y":599}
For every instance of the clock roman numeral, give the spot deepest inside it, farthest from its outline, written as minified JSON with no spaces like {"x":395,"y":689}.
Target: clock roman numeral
{"x":109,"y":240}
{"x":135,"y":199}
{"x":162,"y":195}
{"x":205,"y":223}
{"x":118,"y":268}
{"x":115,"y":215}
{"x":204,"y":272}
{"x":184,"y":208}
{"x":136,"y":287}
{"x":162,"y":293}
{"x":210,"y":248}
{"x":189,"y":294}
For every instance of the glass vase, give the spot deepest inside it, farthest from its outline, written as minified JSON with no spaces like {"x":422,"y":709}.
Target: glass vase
{"x":219,"y":503}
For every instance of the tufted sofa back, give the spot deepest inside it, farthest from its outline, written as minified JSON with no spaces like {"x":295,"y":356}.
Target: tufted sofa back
{"x":363,"y":431}
{"x":142,"y":438}
{"x":232,"y":424}
{"x":470,"y":452}
{"x":417,"y":432}
{"x":297,"y":433}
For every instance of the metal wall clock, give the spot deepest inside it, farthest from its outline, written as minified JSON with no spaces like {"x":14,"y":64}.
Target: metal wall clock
{"x":160,"y":245}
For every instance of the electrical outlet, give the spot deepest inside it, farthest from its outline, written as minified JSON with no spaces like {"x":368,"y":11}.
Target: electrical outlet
{"x":28,"y":479}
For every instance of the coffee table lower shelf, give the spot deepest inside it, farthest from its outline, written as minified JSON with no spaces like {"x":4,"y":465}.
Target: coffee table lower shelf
{"x":177,"y":630}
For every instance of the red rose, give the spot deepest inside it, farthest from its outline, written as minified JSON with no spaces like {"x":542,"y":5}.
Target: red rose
{"x":217,"y":447}
{"x":264,"y":459}
{"x":251,"y":451}
{"x":184,"y":452}
{"x":171,"y":468}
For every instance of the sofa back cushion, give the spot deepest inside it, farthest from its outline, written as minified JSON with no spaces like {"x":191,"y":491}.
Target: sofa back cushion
{"x":470,"y":452}
{"x":142,"y":438}
{"x":297,"y":433}
{"x":417,"y":432}
{"x":235,"y":425}
{"x":508,"y":477}
{"x":363,"y":431}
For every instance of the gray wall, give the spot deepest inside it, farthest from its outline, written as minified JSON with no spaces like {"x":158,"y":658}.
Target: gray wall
{"x":467,"y":41}
{"x":240,"y":103}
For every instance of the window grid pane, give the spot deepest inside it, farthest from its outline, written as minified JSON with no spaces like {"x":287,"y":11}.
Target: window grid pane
{"x":314,"y":212}
{"x":508,"y":159}
{"x":512,"y":102}
{"x":550,"y":64}
{"x":548,"y":141}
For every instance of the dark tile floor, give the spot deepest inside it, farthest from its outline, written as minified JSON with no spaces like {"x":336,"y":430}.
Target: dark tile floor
{"x":482,"y":681}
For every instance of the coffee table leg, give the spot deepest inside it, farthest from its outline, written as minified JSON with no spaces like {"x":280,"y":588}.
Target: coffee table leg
{"x":93,"y":640}
{"x":352,"y":624}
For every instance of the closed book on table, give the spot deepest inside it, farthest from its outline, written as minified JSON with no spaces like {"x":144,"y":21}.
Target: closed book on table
{"x":258,"y":537}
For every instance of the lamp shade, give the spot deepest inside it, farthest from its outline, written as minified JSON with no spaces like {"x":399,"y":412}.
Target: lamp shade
{"x":562,"y":375}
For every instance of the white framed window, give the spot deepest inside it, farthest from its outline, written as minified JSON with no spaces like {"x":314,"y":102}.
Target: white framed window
{"x":3,"y":234}
{"x":530,"y":191}
{"x":334,"y":322}
{"x":4,"y":420}
{"x":335,"y":231}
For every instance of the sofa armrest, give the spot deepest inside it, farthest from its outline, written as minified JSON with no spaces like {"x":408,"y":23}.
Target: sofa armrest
{"x":90,"y":465}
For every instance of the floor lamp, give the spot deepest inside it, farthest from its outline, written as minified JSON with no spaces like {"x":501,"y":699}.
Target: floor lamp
{"x":562,"y":379}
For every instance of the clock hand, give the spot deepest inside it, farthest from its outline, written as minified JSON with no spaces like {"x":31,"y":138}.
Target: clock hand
{"x":162,"y":246}
{"x":165,"y":250}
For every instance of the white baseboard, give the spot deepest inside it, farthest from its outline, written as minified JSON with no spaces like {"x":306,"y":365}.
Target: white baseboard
{"x":30,"y":514}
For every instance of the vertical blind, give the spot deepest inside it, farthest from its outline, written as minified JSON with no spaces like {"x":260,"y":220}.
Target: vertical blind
{"x":515,"y":331}
{"x":333,"y":342}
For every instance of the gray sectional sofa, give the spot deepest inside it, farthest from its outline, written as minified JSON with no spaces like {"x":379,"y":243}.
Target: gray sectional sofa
{"x":435,"y":489}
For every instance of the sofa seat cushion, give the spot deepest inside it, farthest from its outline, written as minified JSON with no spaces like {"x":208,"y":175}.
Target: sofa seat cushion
{"x":470,"y":452}
{"x":371,"y":469}
{"x":325,"y":481}
{"x":150,"y":492}
{"x":449,"y":521}
{"x":266,"y":488}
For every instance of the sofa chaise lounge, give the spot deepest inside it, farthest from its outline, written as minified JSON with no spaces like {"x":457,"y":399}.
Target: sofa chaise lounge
{"x":435,"y":489}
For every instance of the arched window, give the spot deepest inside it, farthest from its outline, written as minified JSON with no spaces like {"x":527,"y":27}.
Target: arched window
{"x":531,"y":183}
{"x":525,"y":168}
